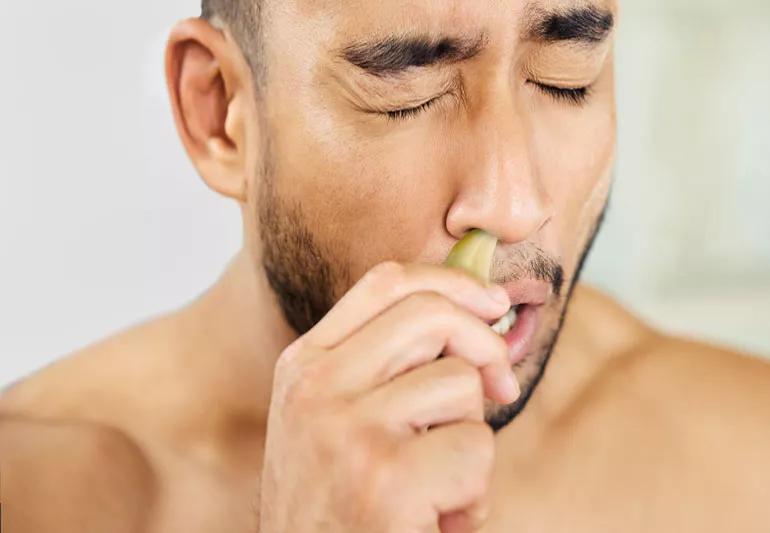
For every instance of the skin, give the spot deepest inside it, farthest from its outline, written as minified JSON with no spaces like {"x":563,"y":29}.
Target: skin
{"x":246,"y":411}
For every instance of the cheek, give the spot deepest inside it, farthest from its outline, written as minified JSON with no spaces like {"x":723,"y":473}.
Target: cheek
{"x":576,"y":155}
{"x":366,"y":200}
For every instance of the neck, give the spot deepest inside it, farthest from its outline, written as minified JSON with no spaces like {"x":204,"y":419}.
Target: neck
{"x":237,"y":332}
{"x":243,"y":334}
{"x":596,"y":333}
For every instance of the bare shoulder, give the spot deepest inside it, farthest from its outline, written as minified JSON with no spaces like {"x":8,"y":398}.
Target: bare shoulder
{"x":699,"y":380}
{"x":707,"y":406}
{"x":719,"y":396}
{"x":676,"y":368}
{"x":669,"y":421}
{"x":73,"y":476}
{"x":713,"y":395}
{"x":98,"y":383}
{"x":67,"y":464}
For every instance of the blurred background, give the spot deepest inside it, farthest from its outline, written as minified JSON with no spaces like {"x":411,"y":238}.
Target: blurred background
{"x":103,"y":222}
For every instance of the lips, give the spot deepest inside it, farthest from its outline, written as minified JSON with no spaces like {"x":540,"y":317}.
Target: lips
{"x":521,"y":335}
{"x":474,"y":253}
{"x":526,"y":298}
{"x":526,"y":291}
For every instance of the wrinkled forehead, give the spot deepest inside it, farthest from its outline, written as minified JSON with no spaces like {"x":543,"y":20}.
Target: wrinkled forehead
{"x":367,"y":17}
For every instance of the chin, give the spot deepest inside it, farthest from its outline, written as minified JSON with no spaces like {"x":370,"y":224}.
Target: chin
{"x":529,"y":372}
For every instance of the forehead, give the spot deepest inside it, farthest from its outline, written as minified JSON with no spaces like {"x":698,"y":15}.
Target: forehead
{"x":362,"y":16}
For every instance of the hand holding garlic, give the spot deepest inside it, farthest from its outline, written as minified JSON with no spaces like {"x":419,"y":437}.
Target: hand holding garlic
{"x":373,"y":368}
{"x":474,"y":253}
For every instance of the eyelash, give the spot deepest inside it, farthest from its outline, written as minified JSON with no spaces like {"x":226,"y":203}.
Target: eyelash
{"x":404,"y":114}
{"x":577,"y":96}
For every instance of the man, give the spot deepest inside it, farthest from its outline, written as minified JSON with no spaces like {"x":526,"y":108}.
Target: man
{"x":306,"y":392}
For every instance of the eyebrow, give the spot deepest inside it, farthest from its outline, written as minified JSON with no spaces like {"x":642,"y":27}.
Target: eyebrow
{"x":392,"y":55}
{"x":587,"y":25}
{"x":395,"y":54}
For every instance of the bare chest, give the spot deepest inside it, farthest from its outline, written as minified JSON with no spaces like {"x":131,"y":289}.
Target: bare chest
{"x":579,"y":479}
{"x":200,"y":496}
{"x":638,"y":481}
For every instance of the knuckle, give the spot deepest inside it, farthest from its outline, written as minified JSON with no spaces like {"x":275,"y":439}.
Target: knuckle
{"x":288,"y":359}
{"x":303,"y":383}
{"x":385,"y":276}
{"x":434,"y":305}
{"x":467,"y":377}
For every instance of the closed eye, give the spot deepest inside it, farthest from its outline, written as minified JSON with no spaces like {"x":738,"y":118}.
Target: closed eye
{"x":410,"y":112}
{"x":577,"y":96}
{"x":572,"y":95}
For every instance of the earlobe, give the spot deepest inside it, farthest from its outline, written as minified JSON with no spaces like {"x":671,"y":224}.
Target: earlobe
{"x":205,"y":86}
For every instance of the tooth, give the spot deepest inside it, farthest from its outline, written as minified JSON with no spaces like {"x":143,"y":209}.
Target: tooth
{"x":506,"y":322}
{"x":501,"y":325}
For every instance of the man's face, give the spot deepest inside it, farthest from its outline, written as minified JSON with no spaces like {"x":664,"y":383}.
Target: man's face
{"x":394,"y":127}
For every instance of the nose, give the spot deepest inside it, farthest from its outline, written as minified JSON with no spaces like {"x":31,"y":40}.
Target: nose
{"x":500,"y":189}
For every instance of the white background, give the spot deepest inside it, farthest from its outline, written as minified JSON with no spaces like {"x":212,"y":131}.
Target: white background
{"x":103,"y":222}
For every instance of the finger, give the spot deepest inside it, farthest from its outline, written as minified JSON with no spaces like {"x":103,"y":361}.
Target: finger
{"x":454,"y":463}
{"x":446,"y":390}
{"x":466,"y":521}
{"x":390,"y":282}
{"x":416,"y":331}
{"x":456,"y":522}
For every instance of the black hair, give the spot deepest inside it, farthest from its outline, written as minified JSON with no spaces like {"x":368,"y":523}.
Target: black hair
{"x":242,"y":18}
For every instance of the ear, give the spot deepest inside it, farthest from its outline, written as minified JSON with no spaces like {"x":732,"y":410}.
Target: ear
{"x":212,"y":97}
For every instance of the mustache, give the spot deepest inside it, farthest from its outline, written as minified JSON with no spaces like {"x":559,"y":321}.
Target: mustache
{"x":529,"y":262}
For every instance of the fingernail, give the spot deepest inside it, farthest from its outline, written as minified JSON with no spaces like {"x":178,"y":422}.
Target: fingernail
{"x":498,"y":294}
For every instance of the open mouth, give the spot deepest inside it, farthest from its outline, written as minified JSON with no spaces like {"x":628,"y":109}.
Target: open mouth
{"x":474,"y":254}
{"x":506,"y":322}
{"x":518,"y":327}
